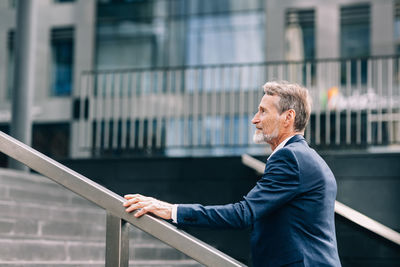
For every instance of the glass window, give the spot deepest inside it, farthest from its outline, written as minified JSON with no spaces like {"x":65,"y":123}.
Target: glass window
{"x":127,"y":34}
{"x":300,"y":44}
{"x":10,"y":63}
{"x":397,"y":26}
{"x":300,"y":30}
{"x":179,"y":32}
{"x":12,"y":3}
{"x":355,"y":31}
{"x":62,"y":53}
{"x":120,"y":46}
{"x":225,"y":39}
{"x":354,"y":43}
{"x":225,"y":32}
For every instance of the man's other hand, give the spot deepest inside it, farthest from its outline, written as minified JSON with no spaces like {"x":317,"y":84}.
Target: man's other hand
{"x":147,"y":204}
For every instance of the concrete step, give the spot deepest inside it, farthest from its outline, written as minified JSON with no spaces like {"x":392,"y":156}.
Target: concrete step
{"x":32,"y":187}
{"x":67,"y":231}
{"x":43,"y":224}
{"x":137,"y":251}
{"x":88,"y":251}
{"x":147,"y":263}
{"x":55,"y":195}
{"x":51,"y":230}
{"x":31,"y":209}
{"x":51,"y":264}
{"x":7,"y":174}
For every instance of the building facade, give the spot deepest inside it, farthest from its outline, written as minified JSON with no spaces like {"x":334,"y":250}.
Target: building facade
{"x":183,"y":76}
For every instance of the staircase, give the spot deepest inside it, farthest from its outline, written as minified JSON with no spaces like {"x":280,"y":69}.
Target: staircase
{"x":43,"y":224}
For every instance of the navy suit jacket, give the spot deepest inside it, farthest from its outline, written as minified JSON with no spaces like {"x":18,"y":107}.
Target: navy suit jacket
{"x":290,"y":210}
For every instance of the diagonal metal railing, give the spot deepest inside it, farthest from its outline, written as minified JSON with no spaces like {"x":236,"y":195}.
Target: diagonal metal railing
{"x":117,"y":245}
{"x":341,"y":209}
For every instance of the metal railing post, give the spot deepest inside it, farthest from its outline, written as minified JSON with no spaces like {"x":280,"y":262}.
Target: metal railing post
{"x":117,"y":242}
{"x":24,"y":77}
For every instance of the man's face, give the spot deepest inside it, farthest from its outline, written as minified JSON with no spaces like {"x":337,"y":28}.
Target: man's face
{"x":267,"y":120}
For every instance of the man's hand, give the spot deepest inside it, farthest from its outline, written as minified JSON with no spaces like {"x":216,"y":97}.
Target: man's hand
{"x":148,"y":204}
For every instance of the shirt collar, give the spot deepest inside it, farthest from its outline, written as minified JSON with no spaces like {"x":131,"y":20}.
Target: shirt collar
{"x":282,"y":144}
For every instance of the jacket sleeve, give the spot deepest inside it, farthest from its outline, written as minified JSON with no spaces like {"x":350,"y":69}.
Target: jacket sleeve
{"x":278,"y":185}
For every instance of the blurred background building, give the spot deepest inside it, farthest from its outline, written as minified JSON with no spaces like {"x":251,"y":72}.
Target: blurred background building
{"x":184,"y":77}
{"x":136,"y":79}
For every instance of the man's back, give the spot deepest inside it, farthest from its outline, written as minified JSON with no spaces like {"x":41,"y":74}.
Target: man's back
{"x":302,"y":229}
{"x":290,"y":210}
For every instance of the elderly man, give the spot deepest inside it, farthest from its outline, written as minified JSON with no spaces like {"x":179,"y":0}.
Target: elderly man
{"x":291,"y":208}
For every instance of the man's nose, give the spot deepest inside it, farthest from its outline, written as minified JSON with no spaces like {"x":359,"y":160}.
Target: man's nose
{"x":255,"y":119}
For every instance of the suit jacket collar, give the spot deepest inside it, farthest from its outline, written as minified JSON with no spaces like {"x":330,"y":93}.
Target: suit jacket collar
{"x":296,"y":138}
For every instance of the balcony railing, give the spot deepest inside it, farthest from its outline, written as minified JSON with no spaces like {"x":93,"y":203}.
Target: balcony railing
{"x":356,"y":102}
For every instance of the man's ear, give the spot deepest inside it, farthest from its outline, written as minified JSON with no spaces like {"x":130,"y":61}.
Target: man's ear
{"x":290,"y":116}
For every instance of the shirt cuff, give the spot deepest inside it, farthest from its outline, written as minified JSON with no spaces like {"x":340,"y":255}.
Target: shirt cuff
{"x":174,"y":213}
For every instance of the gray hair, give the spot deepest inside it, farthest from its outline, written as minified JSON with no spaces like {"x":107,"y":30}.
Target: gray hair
{"x":292,"y":96}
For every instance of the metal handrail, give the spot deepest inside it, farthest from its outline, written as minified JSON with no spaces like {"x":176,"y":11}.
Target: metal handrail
{"x":340,"y":208}
{"x":112,"y":203}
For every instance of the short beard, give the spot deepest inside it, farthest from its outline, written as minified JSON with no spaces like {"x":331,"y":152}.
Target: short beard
{"x":260,"y":138}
